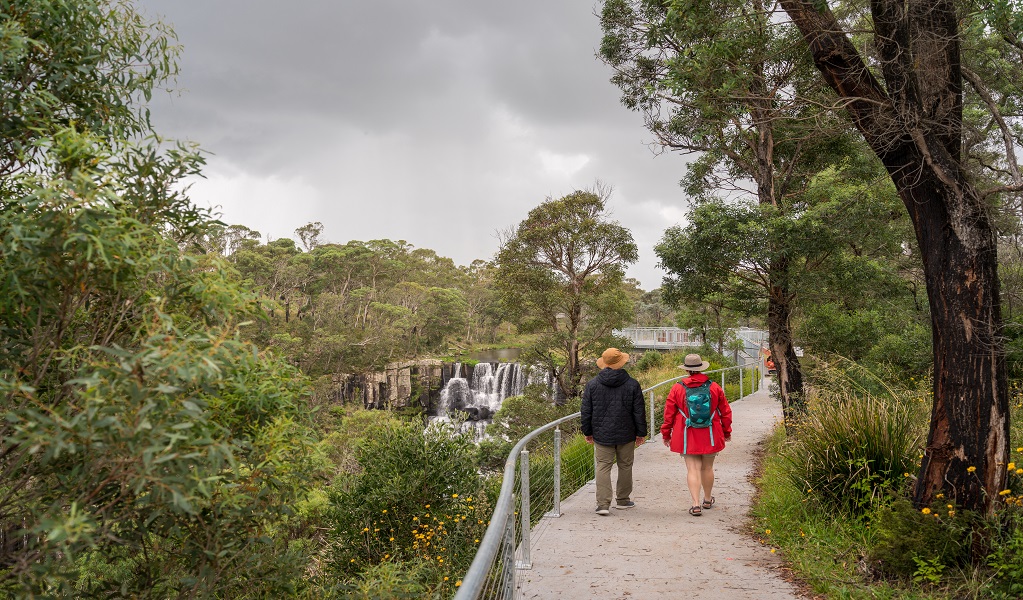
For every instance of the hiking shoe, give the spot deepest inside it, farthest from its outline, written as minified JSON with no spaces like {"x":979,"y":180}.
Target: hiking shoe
{"x":603,"y":511}
{"x":708,"y":504}
{"x":625,"y":505}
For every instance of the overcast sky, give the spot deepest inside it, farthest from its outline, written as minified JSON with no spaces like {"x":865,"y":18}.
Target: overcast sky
{"x":439,"y":122}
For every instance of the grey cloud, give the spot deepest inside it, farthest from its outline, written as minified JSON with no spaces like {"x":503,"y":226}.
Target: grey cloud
{"x":402,"y":118}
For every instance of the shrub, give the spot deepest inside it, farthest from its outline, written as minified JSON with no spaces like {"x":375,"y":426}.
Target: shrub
{"x":1006,"y":560}
{"x":919,"y":544}
{"x":853,"y":452}
{"x":520,"y":415}
{"x":651,"y":359}
{"x":493,"y":453}
{"x":417,"y":497}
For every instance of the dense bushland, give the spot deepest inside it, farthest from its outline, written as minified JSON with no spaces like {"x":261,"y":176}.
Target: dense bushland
{"x":840,"y":486}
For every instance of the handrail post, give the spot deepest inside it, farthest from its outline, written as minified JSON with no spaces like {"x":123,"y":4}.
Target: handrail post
{"x":741,"y":369}
{"x":653,"y":422}
{"x":556,"y":511}
{"x":509,"y":557}
{"x":525,"y":563}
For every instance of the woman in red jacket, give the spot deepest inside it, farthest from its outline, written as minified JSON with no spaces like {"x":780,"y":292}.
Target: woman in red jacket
{"x":697,"y":423}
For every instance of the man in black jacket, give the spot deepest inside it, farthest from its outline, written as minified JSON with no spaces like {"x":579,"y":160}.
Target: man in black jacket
{"x":614,"y":421}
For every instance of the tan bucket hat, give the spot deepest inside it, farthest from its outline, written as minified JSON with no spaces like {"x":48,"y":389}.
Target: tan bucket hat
{"x":612,"y":358}
{"x":693,"y":362}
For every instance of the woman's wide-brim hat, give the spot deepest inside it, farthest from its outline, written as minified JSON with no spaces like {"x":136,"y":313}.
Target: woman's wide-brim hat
{"x":693,"y":362}
{"x":612,"y":358}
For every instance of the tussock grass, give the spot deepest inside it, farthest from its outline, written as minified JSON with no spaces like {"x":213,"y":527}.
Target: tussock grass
{"x":838,"y":538}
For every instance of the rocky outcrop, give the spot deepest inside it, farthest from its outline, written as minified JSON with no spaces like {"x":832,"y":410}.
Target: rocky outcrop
{"x":400,"y":385}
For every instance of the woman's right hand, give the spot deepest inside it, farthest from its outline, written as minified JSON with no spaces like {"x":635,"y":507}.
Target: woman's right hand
{"x":667,"y":443}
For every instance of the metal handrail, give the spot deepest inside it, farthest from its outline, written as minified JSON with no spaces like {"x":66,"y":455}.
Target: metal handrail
{"x":491,"y":543}
{"x":497,"y":530}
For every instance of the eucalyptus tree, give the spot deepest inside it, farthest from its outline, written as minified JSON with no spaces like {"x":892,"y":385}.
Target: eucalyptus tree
{"x":560,"y":274}
{"x":145,"y":450}
{"x":724,"y":80}
{"x":946,"y":129}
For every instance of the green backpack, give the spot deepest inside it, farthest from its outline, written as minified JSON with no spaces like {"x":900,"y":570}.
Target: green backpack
{"x":700,"y":416}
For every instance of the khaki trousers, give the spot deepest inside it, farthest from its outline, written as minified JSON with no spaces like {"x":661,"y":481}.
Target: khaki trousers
{"x":603,"y":458}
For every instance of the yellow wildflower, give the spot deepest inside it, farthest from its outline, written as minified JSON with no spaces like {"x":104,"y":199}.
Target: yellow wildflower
{"x":940,"y":496}
{"x":971,"y":469}
{"x":767,"y":531}
{"x":458,"y":583}
{"x":454,"y":495}
{"x":926,"y":511}
{"x":1004,"y":492}
{"x":1011,"y":466}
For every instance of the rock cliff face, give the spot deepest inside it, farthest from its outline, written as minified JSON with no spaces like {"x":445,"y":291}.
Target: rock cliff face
{"x":400,"y":385}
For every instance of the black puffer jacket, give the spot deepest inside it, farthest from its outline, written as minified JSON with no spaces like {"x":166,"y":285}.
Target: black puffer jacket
{"x":613,"y":411}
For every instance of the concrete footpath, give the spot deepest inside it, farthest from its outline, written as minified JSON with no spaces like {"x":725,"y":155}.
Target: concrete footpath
{"x":657,"y":550}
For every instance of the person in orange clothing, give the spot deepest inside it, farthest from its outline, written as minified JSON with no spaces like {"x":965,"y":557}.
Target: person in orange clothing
{"x":697,"y":423}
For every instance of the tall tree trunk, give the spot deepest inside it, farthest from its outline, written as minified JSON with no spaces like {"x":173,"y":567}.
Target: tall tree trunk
{"x":779,"y":303}
{"x":913,"y":124}
{"x":783,"y":353}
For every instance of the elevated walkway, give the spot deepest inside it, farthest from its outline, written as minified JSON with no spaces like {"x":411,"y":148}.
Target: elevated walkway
{"x":657,"y":550}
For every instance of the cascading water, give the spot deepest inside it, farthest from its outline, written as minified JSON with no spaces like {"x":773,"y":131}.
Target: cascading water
{"x":480,"y":395}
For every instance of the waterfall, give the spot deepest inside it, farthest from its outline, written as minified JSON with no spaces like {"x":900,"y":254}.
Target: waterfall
{"x":480,"y":393}
{"x":456,"y":394}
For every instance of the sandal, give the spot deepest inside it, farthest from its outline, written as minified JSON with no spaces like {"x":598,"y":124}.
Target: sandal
{"x":696,"y":511}
{"x":708,"y":503}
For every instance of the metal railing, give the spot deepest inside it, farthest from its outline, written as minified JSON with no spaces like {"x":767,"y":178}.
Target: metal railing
{"x":674,"y":337}
{"x":532,"y":489}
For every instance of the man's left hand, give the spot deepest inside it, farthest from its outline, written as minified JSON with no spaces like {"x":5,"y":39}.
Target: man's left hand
{"x":640,"y":441}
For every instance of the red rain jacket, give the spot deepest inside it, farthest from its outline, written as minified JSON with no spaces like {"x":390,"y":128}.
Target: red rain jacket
{"x":699,"y":439}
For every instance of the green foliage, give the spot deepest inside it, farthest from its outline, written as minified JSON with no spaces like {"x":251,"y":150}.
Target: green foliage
{"x":416,"y":497}
{"x":928,"y":571}
{"x":144,"y":435}
{"x":390,"y":580}
{"x":854,"y":452}
{"x":149,"y":452}
{"x":920,"y":545}
{"x":651,"y":359}
{"x":577,"y":466}
{"x":492,"y":454}
{"x":879,"y":555}
{"x":520,"y":415}
{"x":359,"y":305}
{"x":1006,"y":559}
{"x":82,"y":64}
{"x":561,"y":275}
